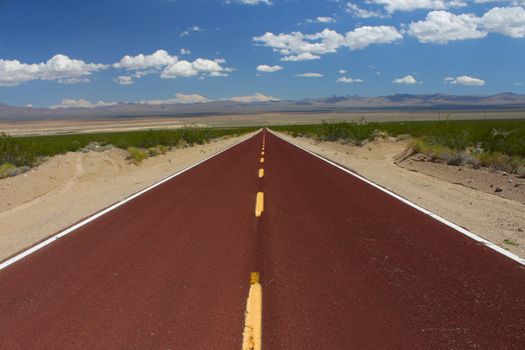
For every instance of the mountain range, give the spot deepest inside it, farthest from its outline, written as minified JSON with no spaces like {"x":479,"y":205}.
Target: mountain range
{"x":397,"y":102}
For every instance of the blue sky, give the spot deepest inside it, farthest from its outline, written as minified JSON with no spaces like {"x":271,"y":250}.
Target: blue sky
{"x":73,"y":53}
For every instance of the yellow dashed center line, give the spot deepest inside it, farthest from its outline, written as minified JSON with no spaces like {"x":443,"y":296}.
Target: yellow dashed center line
{"x":262,"y":153}
{"x":259,"y":204}
{"x":252,"y":335}
{"x":261,"y":172}
{"x":262,"y":159}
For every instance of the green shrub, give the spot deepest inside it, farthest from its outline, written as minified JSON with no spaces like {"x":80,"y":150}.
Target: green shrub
{"x":153,"y":152}
{"x":6,"y":170}
{"x":136,"y":155}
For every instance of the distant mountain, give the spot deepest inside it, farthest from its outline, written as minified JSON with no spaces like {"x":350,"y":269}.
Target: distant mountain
{"x":330,"y":104}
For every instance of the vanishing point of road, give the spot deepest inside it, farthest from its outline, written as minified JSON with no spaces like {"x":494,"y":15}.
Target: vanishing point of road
{"x":263,"y":246}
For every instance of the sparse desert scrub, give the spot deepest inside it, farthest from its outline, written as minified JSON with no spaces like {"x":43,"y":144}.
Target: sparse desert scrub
{"x":498,"y":144}
{"x":30,"y":150}
{"x":501,"y":161}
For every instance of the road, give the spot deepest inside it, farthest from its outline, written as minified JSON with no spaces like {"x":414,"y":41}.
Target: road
{"x":341,"y":265}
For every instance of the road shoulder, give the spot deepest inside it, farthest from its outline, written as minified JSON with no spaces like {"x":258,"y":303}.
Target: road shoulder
{"x":496,"y":219}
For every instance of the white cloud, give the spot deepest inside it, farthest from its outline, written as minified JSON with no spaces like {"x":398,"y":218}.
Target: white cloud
{"x":190,"y":30}
{"x":124,"y":80}
{"x":442,"y":27}
{"x":342,"y":71}
{"x":360,"y":12}
{"x":297,"y":46}
{"x":410,"y":5}
{"x":309,"y":75}
{"x":297,"y":43}
{"x":201,"y":66}
{"x":464,"y":80}
{"x":362,"y":37}
{"x":179,"y":98}
{"x":268,"y":69}
{"x":307,"y":56}
{"x":81,"y":103}
{"x":508,"y":21}
{"x":156,"y":60}
{"x":171,"y":67}
{"x":407,"y":80}
{"x":181,"y":69}
{"x":349,"y":80}
{"x":59,"y":68}
{"x":258,"y":97}
{"x":325,"y":20}
{"x":185,"y":52}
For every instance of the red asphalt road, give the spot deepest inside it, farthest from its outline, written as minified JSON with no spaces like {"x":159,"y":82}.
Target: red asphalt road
{"x":343,"y":266}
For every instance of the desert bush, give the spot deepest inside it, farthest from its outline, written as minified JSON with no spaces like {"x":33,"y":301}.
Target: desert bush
{"x":136,"y":155}
{"x":181,"y":143}
{"x":153,"y":151}
{"x":9,"y":170}
{"x":5,"y":170}
{"x":163,"y":149}
{"x":499,"y":161}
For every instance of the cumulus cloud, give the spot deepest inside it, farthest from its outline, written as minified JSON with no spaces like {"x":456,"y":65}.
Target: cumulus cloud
{"x":464,"y":80}
{"x":508,"y":21}
{"x":59,"y":68}
{"x":407,"y":80}
{"x":442,"y":26}
{"x":171,"y":67}
{"x":201,"y":66}
{"x":409,"y":5}
{"x":309,"y":75}
{"x":268,"y":69}
{"x":297,"y":46}
{"x":258,"y":97}
{"x":365,"y":36}
{"x":349,"y":80}
{"x":297,"y":43}
{"x":360,"y":12}
{"x":157,"y":59}
{"x":179,"y":98}
{"x":185,"y":52}
{"x":124,"y":80}
{"x":81,"y":103}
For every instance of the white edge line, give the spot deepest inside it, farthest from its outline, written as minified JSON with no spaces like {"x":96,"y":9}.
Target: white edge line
{"x":460,"y":229}
{"x":84,"y":222}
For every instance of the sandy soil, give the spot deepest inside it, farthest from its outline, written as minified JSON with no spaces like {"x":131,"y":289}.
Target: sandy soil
{"x":70,"y":187}
{"x":491,"y":181}
{"x":482,"y":211}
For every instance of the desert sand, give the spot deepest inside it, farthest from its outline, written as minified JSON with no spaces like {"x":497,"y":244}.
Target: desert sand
{"x":482,"y":211}
{"x":70,"y":187}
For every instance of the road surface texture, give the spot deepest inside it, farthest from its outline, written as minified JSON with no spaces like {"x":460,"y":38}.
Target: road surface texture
{"x":342,"y":265}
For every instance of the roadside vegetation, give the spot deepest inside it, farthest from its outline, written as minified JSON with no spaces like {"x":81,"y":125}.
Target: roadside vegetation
{"x":19,"y":154}
{"x":498,"y":144}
